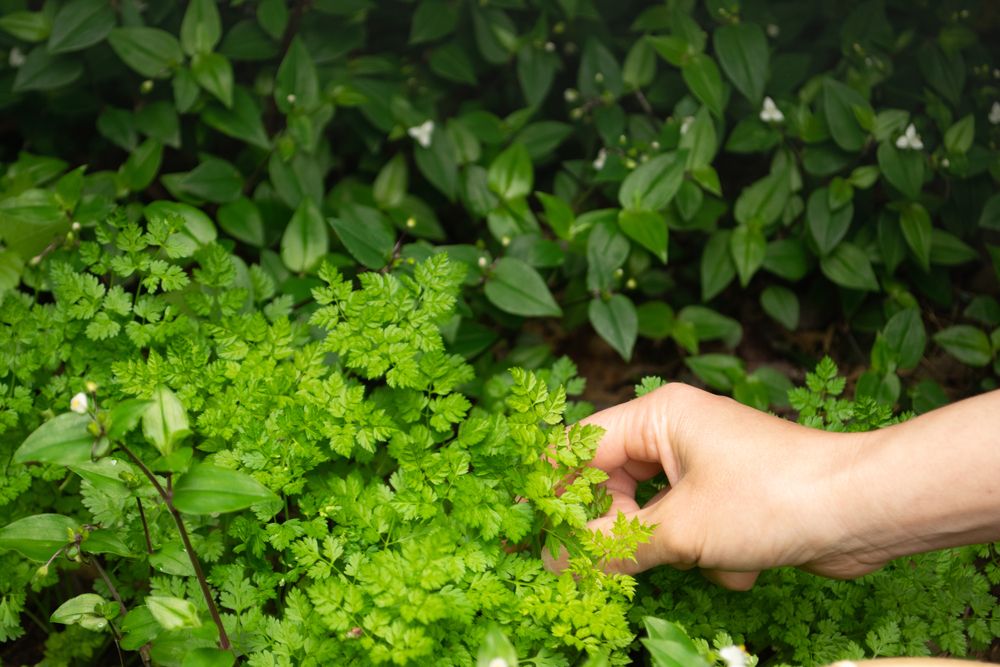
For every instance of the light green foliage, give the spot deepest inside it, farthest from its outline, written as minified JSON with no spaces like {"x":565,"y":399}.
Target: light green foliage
{"x":408,"y":519}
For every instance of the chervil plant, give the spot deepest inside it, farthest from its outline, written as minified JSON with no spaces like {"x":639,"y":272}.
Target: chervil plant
{"x":224,"y":480}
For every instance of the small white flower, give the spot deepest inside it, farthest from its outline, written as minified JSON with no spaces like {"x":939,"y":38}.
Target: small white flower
{"x":571,"y":95}
{"x":290,"y":98}
{"x":733,"y":656}
{"x":422,"y":133}
{"x":910,"y":139}
{"x":76,"y":226}
{"x":686,"y":124}
{"x":15,"y":58}
{"x":770,"y":113}
{"x":945,"y":163}
{"x":994,"y":116}
{"x":602,"y":157}
{"x":482,"y":262}
{"x":79,"y":403}
{"x":499,"y":662}
{"x":655,"y":145}
{"x":550,"y":47}
{"x":773,"y":30}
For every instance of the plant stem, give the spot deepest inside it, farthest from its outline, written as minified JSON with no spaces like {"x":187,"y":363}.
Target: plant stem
{"x":145,"y":526}
{"x":111,"y":587}
{"x":199,"y":573}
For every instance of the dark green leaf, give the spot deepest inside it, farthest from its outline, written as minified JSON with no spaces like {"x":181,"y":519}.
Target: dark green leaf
{"x":272,"y":15}
{"x":149,"y":51}
{"x":990,"y":216}
{"x":702,"y":77}
{"x":748,"y":248}
{"x":241,"y":121}
{"x":432,"y":20}
{"x":709,"y":324}
{"x":201,"y":28}
{"x":29,"y":26}
{"x":656,"y":319}
{"x":214,"y":73}
{"x":647,"y":228}
{"x":904,"y":169}
{"x":305,"y":240}
{"x":949,"y":250}
{"x":765,"y":200}
{"x":718,"y":371}
{"x":615,"y":320}
{"x":242,"y":220}
{"x":142,"y":165}
{"x":38,"y":537}
{"x":915,"y":223}
{"x":452,"y":62}
{"x":389,"y":188}
{"x":848,"y":266}
{"x":781,"y":304}
{"x":208,"y":489}
{"x":511,"y":174}
{"x":79,"y":24}
{"x":905,"y":338}
{"x":966,"y":343}
{"x":607,"y":250}
{"x":213,"y":180}
{"x":717,"y":266}
{"x":653,"y":184}
{"x":62,"y":440}
{"x":827,"y":228}
{"x":516,"y":288}
{"x":296,"y":83}
{"x":159,"y":121}
{"x":958,"y":138}
{"x":839,"y":102}
{"x":366,"y":234}
{"x":743,"y":54}
{"x":43,"y":71}
{"x":558,"y":213}
{"x":536,"y":68}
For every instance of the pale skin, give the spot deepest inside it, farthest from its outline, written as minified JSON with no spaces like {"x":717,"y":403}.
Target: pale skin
{"x":750,"y":491}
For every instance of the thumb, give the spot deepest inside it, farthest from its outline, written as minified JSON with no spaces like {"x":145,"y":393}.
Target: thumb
{"x":662,"y":548}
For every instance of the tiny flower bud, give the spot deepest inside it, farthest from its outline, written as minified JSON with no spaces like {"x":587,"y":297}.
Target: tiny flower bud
{"x":550,"y":47}
{"x":146,"y":87}
{"x":76,"y":226}
{"x":411,"y":222}
{"x":631,"y":284}
{"x":505,"y":241}
{"x":91,"y":386}
{"x":42,"y":571}
{"x":945,"y":163}
{"x":599,"y":77}
{"x":15,"y":58}
{"x":79,"y":404}
{"x":576,"y":114}
{"x":630,"y":163}
{"x":619,"y":273}
{"x":773,"y":30}
{"x":35,"y":261}
{"x":354,"y":633}
{"x":655,"y":145}
{"x":571,"y":95}
{"x":482,"y":262}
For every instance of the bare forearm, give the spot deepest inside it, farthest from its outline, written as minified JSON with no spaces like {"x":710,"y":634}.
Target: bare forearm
{"x":929,"y":483}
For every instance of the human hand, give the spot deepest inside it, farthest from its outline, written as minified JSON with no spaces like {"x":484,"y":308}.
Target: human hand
{"x":748,"y":490}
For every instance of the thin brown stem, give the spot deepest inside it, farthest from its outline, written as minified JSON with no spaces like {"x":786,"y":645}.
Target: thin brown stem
{"x":145,"y":526}
{"x":111,"y":587}
{"x":199,"y":573}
